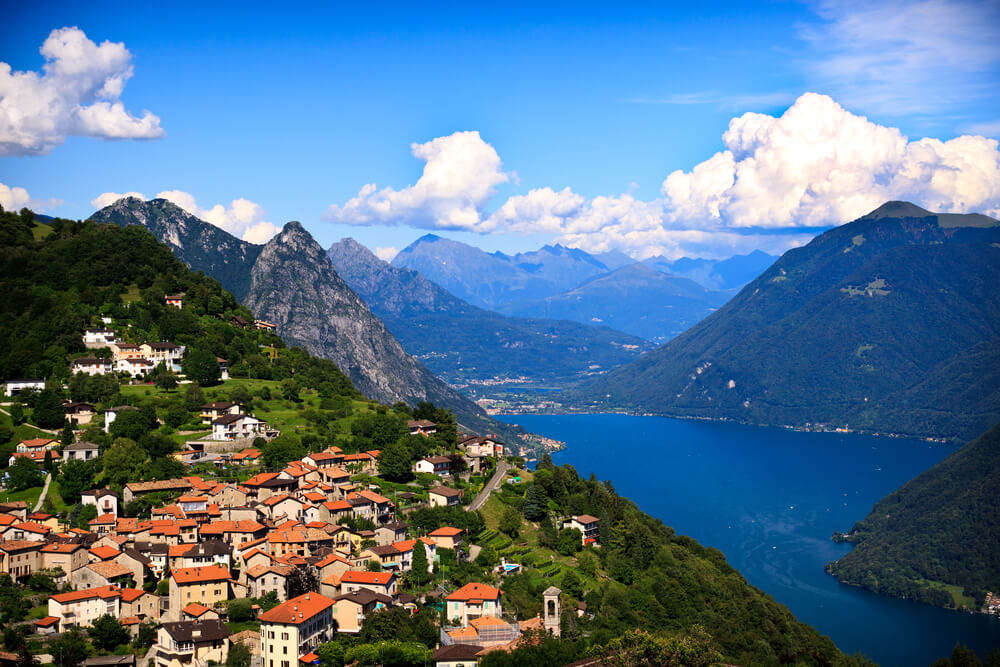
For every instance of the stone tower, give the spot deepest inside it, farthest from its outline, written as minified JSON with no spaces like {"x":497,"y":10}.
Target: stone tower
{"x":551,"y":610}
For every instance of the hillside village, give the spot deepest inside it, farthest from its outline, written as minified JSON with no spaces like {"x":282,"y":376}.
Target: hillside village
{"x":313,"y":547}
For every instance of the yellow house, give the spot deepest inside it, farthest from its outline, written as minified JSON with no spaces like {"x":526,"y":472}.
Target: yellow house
{"x":205,"y":585}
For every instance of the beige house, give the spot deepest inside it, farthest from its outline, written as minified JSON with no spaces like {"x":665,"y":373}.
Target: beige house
{"x":351,"y":609}
{"x":295,"y":628}
{"x":67,"y":557}
{"x":442,"y":496}
{"x":262,"y":579}
{"x":473,"y":601}
{"x":82,"y":608}
{"x":376,"y":582}
{"x":20,"y":558}
{"x":185,"y":643}
{"x":447,"y":537}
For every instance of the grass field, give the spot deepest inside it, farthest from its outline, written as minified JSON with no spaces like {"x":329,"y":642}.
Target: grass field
{"x":40,"y":231}
{"x":957,"y":593}
{"x":29,"y":496}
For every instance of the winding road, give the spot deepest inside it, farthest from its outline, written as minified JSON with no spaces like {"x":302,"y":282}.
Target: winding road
{"x":491,"y":486}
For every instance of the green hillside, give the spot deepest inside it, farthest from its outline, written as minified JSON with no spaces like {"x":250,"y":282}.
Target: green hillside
{"x":937,"y":538}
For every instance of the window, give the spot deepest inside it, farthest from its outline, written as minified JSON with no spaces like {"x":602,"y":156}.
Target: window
{"x":284,"y":635}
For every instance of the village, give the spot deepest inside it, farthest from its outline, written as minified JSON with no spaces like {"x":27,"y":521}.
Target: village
{"x":314,"y":548}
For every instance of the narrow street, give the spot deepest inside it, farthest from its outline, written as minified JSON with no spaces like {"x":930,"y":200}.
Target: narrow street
{"x":491,"y":486}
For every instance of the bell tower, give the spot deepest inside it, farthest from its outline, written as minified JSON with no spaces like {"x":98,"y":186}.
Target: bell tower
{"x":551,"y":610}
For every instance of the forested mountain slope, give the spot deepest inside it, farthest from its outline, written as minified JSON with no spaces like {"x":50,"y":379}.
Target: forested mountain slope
{"x":324,"y":307}
{"x":890,"y":323}
{"x":943,"y":527}
{"x":462,"y":342}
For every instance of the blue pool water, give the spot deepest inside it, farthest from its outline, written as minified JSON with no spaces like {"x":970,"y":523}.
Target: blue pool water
{"x":770,"y":499}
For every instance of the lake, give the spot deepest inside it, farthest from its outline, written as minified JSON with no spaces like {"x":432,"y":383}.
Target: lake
{"x":770,"y":499}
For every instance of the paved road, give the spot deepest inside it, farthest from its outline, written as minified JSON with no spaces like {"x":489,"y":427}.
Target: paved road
{"x":491,"y":486}
{"x":45,"y":489}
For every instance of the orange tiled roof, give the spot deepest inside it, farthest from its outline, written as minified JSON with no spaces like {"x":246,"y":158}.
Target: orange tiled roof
{"x":205,"y":573}
{"x":298,"y":610}
{"x":103,"y":592}
{"x":446,"y":531}
{"x":475,"y":591}
{"x":104,"y":553}
{"x":377,"y":578}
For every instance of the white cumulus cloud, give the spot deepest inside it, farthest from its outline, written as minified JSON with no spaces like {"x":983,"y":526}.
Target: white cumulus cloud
{"x":776,"y":181}
{"x":386,"y":253}
{"x":14,"y":198}
{"x":76,"y":94}
{"x":460,"y":176}
{"x":242,"y":218}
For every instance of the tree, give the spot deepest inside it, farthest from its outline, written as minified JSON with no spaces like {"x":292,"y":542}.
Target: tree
{"x":268,"y":601}
{"x":25,"y":658}
{"x":156,"y":445}
{"x":193,"y":397}
{"x":66,"y":435}
{"x":48,"y":411}
{"x":587,"y":563}
{"x":70,"y":649}
{"x":331,"y":654}
{"x":534,"y":503}
{"x":87,"y":514}
{"x":48,"y":464}
{"x":164,"y":467}
{"x":24,"y":474}
{"x":122,"y":460}
{"x":145,"y":636}
{"x":569,"y":542}
{"x":300,"y":581}
{"x":278,"y":452}
{"x":547,"y":536}
{"x":290,"y":390}
{"x":75,"y":477}
{"x":132,"y":424}
{"x":17,"y":413}
{"x":510,"y":521}
{"x":239,"y":655}
{"x":572,"y":585}
{"x":418,"y":572}
{"x":394,"y":462}
{"x":163,"y":378}
{"x":201,"y":366}
{"x":239,"y":610}
{"x":107,"y":632}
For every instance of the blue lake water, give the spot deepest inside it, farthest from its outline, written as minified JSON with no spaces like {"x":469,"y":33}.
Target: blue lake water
{"x":770,"y":499}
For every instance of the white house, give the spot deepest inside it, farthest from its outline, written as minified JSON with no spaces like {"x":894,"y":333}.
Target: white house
{"x":231,"y":427}
{"x":473,"y":601}
{"x":94,"y":338}
{"x":91,"y":366}
{"x":17,"y":386}
{"x":168,"y":353}
{"x":589,"y":527}
{"x":104,"y":500}
{"x":134,"y":367}
{"x":438,"y":465}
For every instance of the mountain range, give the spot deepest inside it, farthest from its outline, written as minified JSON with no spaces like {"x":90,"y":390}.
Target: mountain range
{"x":289,"y":281}
{"x":490,"y":280}
{"x":890,"y":323}
{"x":634,"y":298}
{"x":462,"y":342}
{"x":716,"y":274}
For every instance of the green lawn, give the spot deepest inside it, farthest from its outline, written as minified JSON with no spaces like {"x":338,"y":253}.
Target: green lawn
{"x":957,"y":593}
{"x":243,"y":625}
{"x":40,"y":231}
{"x":54,"y":495}
{"x":29,"y":496}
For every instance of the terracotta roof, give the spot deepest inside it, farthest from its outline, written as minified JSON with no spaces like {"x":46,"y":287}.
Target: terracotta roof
{"x":46,"y":622}
{"x":104,"y":519}
{"x":586,"y":518}
{"x":475,"y":591}
{"x":109,"y":569}
{"x":159,"y":485}
{"x":309,"y":658}
{"x":297,"y":610}
{"x":260,"y":478}
{"x":436,"y":459}
{"x":18,"y":545}
{"x":104,"y":553}
{"x":103,"y":592}
{"x":246,"y":454}
{"x":36,"y":442}
{"x":62,"y":548}
{"x":132,"y":594}
{"x":446,"y":531}
{"x":190,"y":575}
{"x":376,"y":578}
{"x":195,"y":609}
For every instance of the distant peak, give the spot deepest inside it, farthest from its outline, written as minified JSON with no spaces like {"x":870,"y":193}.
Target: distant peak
{"x":898,"y":209}
{"x":428,"y":238}
{"x":294,"y":226}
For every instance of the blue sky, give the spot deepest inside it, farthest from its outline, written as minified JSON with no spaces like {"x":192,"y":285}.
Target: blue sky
{"x":296,"y":109}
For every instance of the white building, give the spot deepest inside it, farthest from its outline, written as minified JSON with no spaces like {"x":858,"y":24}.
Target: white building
{"x":231,"y":427}
{"x":81,"y":451}
{"x":134,"y":366}
{"x":91,"y":366}
{"x":17,"y":386}
{"x":104,"y":500}
{"x":94,"y":338}
{"x":294,"y":628}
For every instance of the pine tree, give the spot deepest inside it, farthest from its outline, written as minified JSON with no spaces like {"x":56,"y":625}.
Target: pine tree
{"x":66,"y":435}
{"x":534,"y":503}
{"x":418,"y":572}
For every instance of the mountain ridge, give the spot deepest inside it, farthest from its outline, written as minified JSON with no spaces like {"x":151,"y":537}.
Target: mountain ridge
{"x":846,"y":331}
{"x":463,"y":342}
